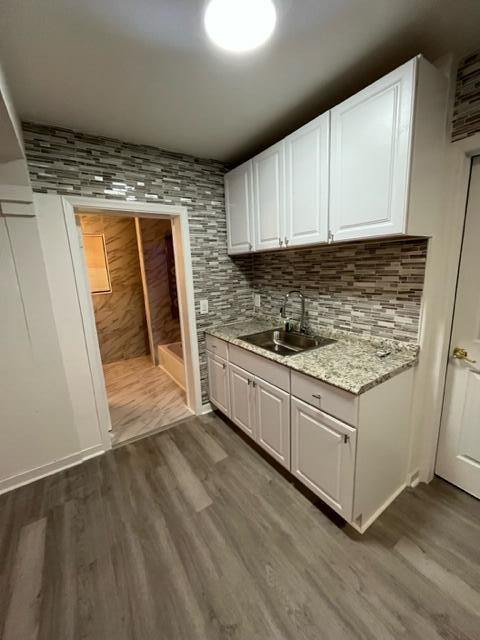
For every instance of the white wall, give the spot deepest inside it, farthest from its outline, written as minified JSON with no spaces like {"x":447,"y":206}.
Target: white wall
{"x":70,"y":325}
{"x":37,"y":428}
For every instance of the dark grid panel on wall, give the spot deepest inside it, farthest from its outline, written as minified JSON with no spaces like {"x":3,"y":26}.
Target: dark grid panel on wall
{"x":370,"y":288}
{"x":66,"y":162}
{"x":466,"y":112}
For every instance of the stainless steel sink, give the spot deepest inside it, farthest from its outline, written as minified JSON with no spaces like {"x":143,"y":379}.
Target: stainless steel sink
{"x":286,"y":343}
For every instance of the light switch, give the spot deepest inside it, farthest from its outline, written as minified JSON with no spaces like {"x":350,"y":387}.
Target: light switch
{"x":203,"y":306}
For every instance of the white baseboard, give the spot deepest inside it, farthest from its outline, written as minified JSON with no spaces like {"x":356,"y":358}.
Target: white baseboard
{"x":74,"y":459}
{"x":364,"y":526}
{"x":206,"y":408}
{"x":414,"y":478}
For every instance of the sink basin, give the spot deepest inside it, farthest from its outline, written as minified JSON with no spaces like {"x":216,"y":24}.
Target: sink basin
{"x":286,"y":343}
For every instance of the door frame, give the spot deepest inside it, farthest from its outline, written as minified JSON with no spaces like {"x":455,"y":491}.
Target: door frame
{"x":459,"y":165}
{"x":178,"y":215}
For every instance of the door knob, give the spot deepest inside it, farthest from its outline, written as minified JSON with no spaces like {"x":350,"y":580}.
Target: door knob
{"x":461,"y":354}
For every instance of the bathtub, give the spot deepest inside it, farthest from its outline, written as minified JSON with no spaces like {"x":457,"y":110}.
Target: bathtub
{"x":170,"y":359}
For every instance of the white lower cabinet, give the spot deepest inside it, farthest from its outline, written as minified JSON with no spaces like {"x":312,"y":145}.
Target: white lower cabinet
{"x":323,"y":455}
{"x":273,"y":421}
{"x":262,"y":410}
{"x":351,"y":451}
{"x":242,"y":399}
{"x":218,"y":382}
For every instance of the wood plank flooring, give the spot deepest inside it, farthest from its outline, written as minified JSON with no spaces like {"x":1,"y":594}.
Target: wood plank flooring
{"x":191,"y":534}
{"x":142,"y":398}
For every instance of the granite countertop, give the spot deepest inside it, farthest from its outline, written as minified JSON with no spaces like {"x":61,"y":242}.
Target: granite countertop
{"x":351,"y":363}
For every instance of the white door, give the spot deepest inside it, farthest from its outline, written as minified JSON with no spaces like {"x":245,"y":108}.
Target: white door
{"x":273,"y":420}
{"x":238,"y":203}
{"x":242,"y":402}
{"x":306,"y":178}
{"x":218,"y":383}
{"x":458,"y":458}
{"x":370,"y":158}
{"x":323,"y":456}
{"x":269,"y":197}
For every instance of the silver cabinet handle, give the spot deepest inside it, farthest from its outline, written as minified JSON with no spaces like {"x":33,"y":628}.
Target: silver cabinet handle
{"x":280,"y":241}
{"x":317,"y":396}
{"x":346,"y":438}
{"x":248,"y":381}
{"x":286,"y":241}
{"x":249,"y":246}
{"x":224,"y":365}
{"x":254,"y":384}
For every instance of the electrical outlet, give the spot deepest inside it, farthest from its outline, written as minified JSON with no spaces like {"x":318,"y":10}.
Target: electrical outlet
{"x":256,"y":300}
{"x":203,"y":306}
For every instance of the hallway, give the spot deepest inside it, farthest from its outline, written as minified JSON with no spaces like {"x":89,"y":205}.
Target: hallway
{"x":142,"y":398}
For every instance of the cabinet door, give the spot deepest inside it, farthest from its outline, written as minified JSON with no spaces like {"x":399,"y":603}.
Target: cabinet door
{"x":323,"y":456}
{"x":242,"y":405}
{"x":238,"y":203}
{"x":269,"y":197}
{"x":370,"y":158}
{"x":218,"y":383}
{"x":273,"y":420}
{"x":306,"y":181}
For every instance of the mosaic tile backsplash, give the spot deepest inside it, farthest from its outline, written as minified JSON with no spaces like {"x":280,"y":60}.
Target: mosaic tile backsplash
{"x":370,"y":288}
{"x":466,"y":111}
{"x":66,"y":162}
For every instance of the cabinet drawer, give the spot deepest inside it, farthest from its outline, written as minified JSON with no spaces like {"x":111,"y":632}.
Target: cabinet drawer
{"x":337,"y":402}
{"x":217,"y":346}
{"x":272,"y":372}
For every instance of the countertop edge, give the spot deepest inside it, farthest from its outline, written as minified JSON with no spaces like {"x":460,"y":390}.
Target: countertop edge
{"x":357,"y":391}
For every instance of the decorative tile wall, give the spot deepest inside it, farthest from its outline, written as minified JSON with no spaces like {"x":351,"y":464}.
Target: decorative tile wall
{"x":466,"y":112}
{"x":66,"y":162}
{"x":119,"y":315}
{"x":371,"y":288}
{"x":165,"y":327}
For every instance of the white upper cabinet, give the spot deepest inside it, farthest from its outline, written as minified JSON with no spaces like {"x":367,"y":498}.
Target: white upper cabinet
{"x":306,"y":183}
{"x":269,"y":197}
{"x":370,"y":158}
{"x":238,"y":203}
{"x":372,"y":167}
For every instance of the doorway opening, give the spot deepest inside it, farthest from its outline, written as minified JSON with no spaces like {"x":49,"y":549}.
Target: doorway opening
{"x":130,"y":264}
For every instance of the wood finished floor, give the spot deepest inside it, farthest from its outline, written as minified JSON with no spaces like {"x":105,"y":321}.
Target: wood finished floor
{"x":142,"y":398}
{"x":191,"y":534}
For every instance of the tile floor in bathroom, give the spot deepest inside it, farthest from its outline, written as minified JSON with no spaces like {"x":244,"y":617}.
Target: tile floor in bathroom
{"x":142,"y":399}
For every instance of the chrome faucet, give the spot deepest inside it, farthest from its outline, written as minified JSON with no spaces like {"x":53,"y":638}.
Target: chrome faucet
{"x":283,"y":309}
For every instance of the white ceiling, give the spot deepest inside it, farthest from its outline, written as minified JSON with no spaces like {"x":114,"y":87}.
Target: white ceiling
{"x":143,"y":70}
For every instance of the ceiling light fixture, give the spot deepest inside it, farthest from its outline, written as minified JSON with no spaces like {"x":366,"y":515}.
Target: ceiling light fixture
{"x":240,"y":25}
